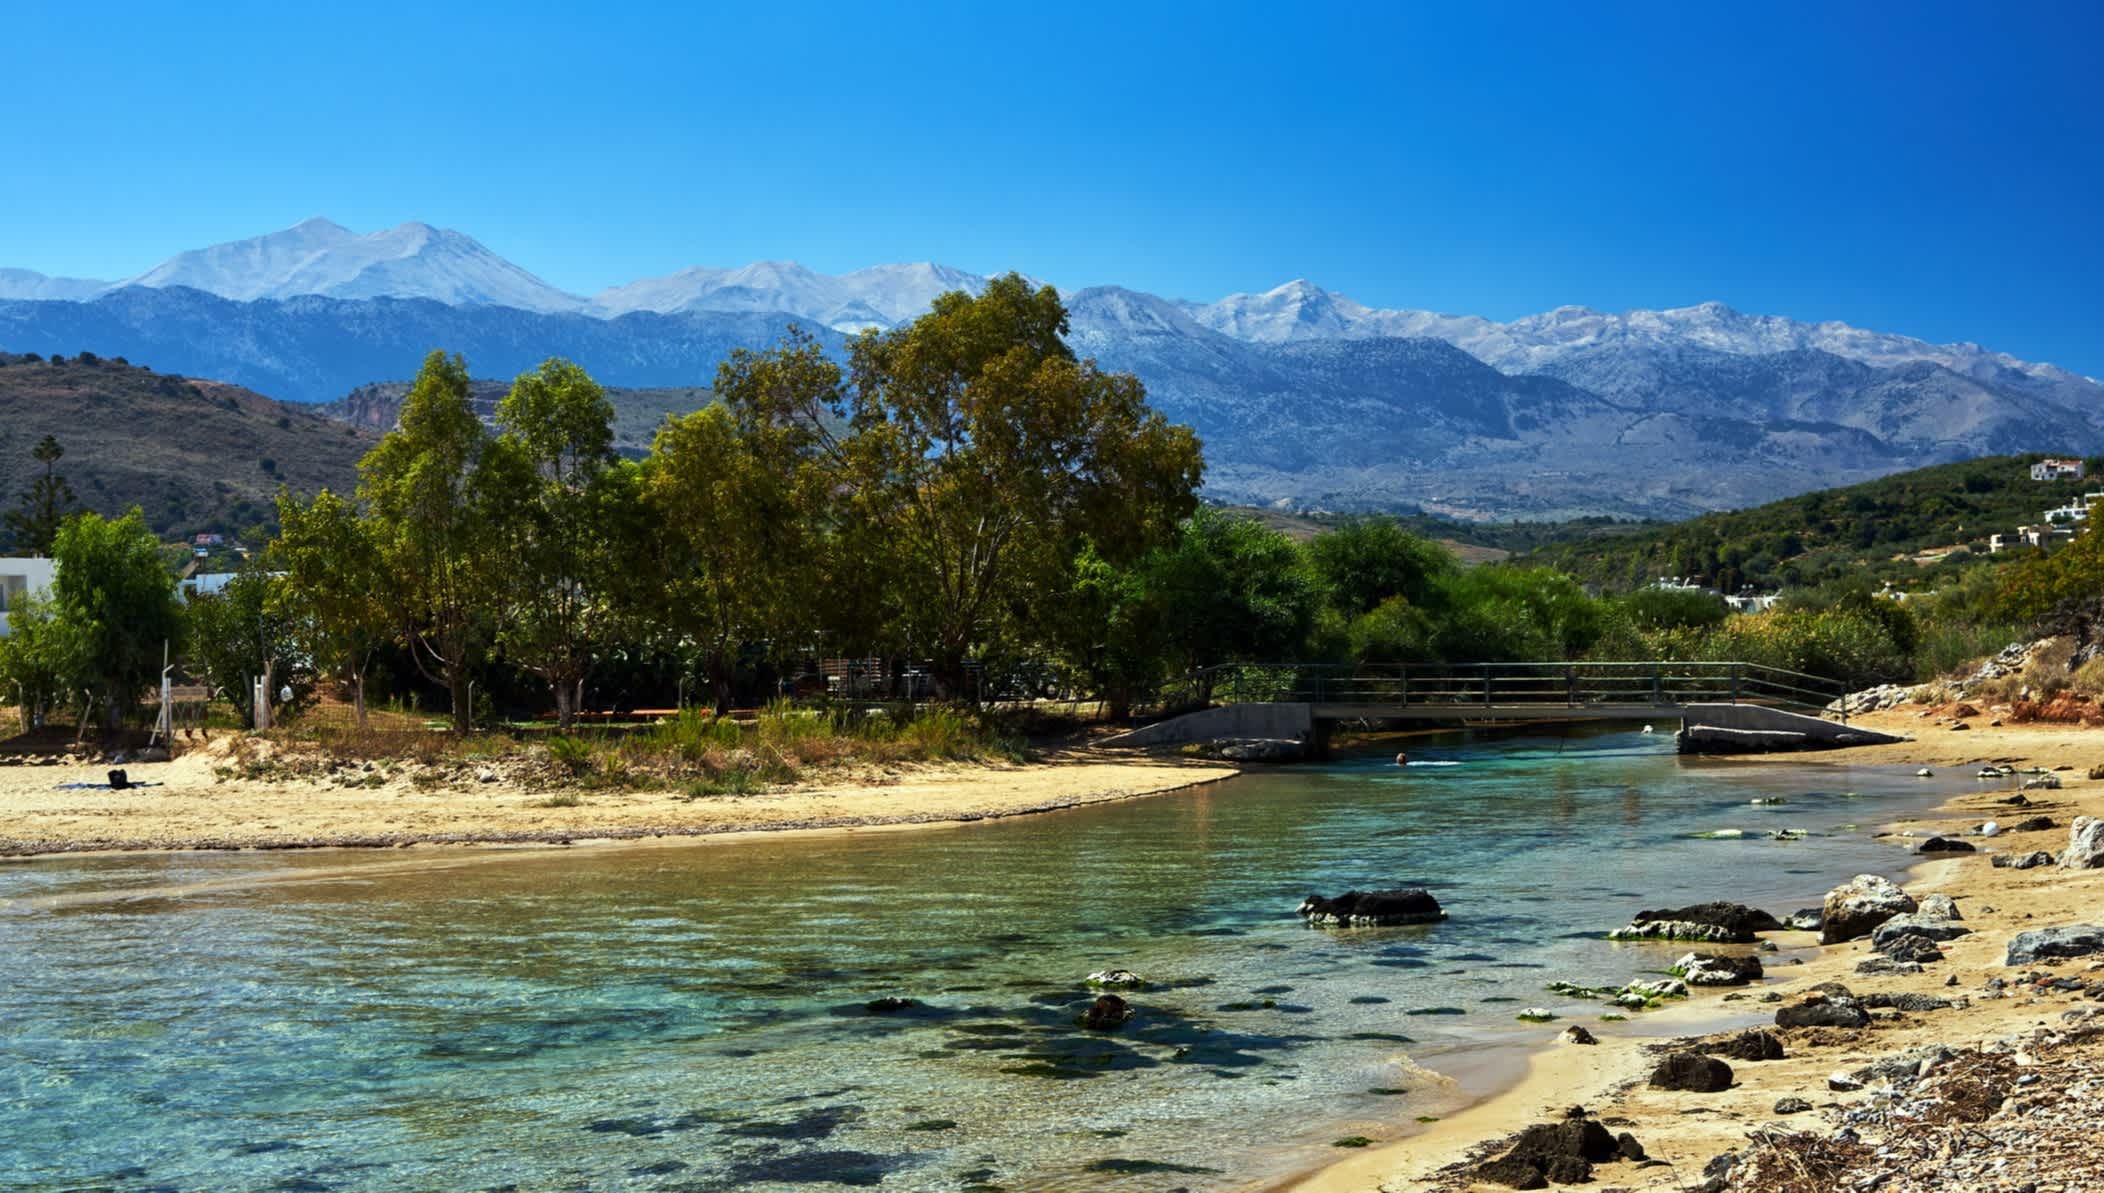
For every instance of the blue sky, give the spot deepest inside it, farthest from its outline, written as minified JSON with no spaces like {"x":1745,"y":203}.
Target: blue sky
{"x":1927,"y":169}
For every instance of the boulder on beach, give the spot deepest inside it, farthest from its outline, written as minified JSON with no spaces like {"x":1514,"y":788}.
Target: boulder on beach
{"x":1886,"y":967}
{"x":1574,"y":1034}
{"x":2023,"y":861}
{"x":1939,"y":907}
{"x":1859,"y":905}
{"x":1115,"y":978}
{"x":1378,"y":909}
{"x":1712,"y":969}
{"x":1563,"y":1152}
{"x":1751,"y":1044}
{"x":2085,"y":845}
{"x":1918,"y":923}
{"x":1910,"y":946}
{"x":2033,"y":824}
{"x":2074,"y":940}
{"x":1821,"y":1010}
{"x":1693,"y":1072}
{"x":1945,"y":845}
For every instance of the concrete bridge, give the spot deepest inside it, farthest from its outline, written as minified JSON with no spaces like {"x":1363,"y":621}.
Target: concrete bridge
{"x":1723,"y":707}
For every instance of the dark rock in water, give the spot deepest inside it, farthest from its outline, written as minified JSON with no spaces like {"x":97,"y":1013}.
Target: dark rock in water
{"x":1911,"y":946}
{"x":1804,"y":919}
{"x":889,"y":1005}
{"x":1107,"y":1013}
{"x":1737,"y":919}
{"x":2023,"y":861}
{"x":2032,"y":824}
{"x":1819,"y":1010}
{"x":1413,"y":905}
{"x":1944,"y":845}
{"x":1792,"y":1106}
{"x":1693,"y":1072}
{"x":1712,"y":923}
{"x":2076,"y":940}
{"x":1751,"y":1044}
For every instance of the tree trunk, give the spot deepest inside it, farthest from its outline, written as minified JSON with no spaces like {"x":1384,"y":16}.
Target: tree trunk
{"x":358,"y":696}
{"x":565,"y":708}
{"x":457,"y":691}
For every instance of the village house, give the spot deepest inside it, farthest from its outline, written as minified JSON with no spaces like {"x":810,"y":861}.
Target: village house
{"x":22,"y":577}
{"x":2055,"y":469}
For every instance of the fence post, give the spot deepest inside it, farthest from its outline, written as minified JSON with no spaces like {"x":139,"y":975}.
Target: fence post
{"x":1404,"y":673}
{"x":1486,"y":685}
{"x":1735,"y":683}
{"x":1658,"y":684}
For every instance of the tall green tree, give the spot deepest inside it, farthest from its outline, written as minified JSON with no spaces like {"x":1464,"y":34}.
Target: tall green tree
{"x":245,"y":632}
{"x":113,"y":592}
{"x":335,"y":588}
{"x":45,"y":503}
{"x":428,"y":487}
{"x":738,"y":493}
{"x":1228,"y":590}
{"x":558,"y":430}
{"x":987,"y":454}
{"x":42,"y":659}
{"x":1365,"y":561}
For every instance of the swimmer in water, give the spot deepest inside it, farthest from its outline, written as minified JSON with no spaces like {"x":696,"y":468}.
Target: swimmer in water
{"x":1402,"y":759}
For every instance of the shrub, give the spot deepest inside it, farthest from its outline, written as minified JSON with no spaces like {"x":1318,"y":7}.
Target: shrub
{"x":571,"y":753}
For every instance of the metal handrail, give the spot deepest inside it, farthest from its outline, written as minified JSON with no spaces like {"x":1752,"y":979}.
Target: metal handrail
{"x":1492,"y":685}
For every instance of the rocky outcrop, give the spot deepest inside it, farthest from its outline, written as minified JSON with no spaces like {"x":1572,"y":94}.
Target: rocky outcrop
{"x":1859,"y":905}
{"x":2075,"y":940}
{"x":1563,"y":1152}
{"x":2085,"y":845}
{"x":1375,"y":909}
{"x":1693,"y":1072}
{"x":2024,"y":861}
{"x":1911,"y":946}
{"x":1753,"y":1044}
{"x":1719,"y":923}
{"x":1712,"y":969}
{"x":1919,"y":923}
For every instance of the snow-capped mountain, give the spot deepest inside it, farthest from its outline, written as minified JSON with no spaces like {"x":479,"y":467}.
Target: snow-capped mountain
{"x":410,"y":260}
{"x":880,"y":296}
{"x":1303,"y":397}
{"x":28,"y":283}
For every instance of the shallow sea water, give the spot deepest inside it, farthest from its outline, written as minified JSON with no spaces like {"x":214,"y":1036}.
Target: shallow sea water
{"x":692,"y":1018}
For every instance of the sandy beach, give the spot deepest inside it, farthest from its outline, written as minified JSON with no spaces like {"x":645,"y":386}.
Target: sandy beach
{"x":201,"y":801}
{"x":1683,"y":1132}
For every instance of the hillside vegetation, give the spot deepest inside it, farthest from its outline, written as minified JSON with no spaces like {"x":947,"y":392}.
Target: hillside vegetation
{"x":193,"y":455}
{"x":638,"y":413}
{"x":1914,"y":528}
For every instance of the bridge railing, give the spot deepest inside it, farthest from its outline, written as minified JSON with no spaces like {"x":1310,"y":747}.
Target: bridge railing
{"x":1505,"y":686}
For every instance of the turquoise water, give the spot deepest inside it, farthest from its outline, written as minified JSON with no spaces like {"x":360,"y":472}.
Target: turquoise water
{"x":692,"y":1017}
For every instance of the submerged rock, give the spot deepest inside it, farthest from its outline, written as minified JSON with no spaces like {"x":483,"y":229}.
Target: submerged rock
{"x":1107,"y":1013}
{"x":1737,"y":921}
{"x":1859,"y":905}
{"x":1413,"y":905}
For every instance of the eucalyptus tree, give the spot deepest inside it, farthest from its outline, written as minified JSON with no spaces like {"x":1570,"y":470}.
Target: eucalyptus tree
{"x":431,"y":488}
{"x":335,"y":586}
{"x":986,"y":455}
{"x":556,"y":453}
{"x":116,"y":602}
{"x":739,"y":493}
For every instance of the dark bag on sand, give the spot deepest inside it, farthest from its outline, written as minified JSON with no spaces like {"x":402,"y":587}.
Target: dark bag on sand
{"x":118,"y":781}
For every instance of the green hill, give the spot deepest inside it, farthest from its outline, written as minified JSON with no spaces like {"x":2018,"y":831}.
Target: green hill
{"x":1898,"y":528}
{"x":638,"y":413}
{"x":194,"y":455}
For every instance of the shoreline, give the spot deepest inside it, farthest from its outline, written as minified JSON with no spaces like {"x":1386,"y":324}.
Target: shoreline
{"x":1685,"y":1130}
{"x":193,"y":805}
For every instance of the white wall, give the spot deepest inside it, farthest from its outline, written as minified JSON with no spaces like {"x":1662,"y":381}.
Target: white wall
{"x":20,"y":577}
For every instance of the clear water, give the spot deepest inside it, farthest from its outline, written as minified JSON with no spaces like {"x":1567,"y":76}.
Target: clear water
{"x":692,"y":1017}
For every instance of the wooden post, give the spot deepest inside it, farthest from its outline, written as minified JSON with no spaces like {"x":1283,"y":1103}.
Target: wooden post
{"x":1486,"y":685}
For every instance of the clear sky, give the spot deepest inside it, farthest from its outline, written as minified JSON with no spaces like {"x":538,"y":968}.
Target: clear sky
{"x":1919,"y":168}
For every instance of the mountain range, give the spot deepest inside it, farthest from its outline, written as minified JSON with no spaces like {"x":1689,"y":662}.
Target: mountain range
{"x":1305,"y":398}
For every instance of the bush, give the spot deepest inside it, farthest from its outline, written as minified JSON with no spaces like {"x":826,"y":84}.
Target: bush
{"x":573,"y":754}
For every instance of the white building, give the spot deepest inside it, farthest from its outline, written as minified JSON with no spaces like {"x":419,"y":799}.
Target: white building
{"x":20,"y":577}
{"x":2052,"y":469}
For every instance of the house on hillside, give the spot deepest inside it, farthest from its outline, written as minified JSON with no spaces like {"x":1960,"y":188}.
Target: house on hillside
{"x":22,"y":577}
{"x":2055,"y":469}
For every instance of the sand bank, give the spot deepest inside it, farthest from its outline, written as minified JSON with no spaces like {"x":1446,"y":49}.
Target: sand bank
{"x":198,"y":804}
{"x":1687,"y":1130}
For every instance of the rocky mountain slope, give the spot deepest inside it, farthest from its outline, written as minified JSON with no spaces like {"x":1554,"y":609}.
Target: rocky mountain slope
{"x":194,"y":455}
{"x":1305,"y":398}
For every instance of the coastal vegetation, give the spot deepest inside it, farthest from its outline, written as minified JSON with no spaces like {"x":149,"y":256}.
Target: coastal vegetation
{"x":961,"y":509}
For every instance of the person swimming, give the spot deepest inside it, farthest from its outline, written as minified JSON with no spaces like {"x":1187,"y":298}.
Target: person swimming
{"x":1402,"y":759}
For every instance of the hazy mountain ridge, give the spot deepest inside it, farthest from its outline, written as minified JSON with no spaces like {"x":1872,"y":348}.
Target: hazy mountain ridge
{"x":1305,"y":398}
